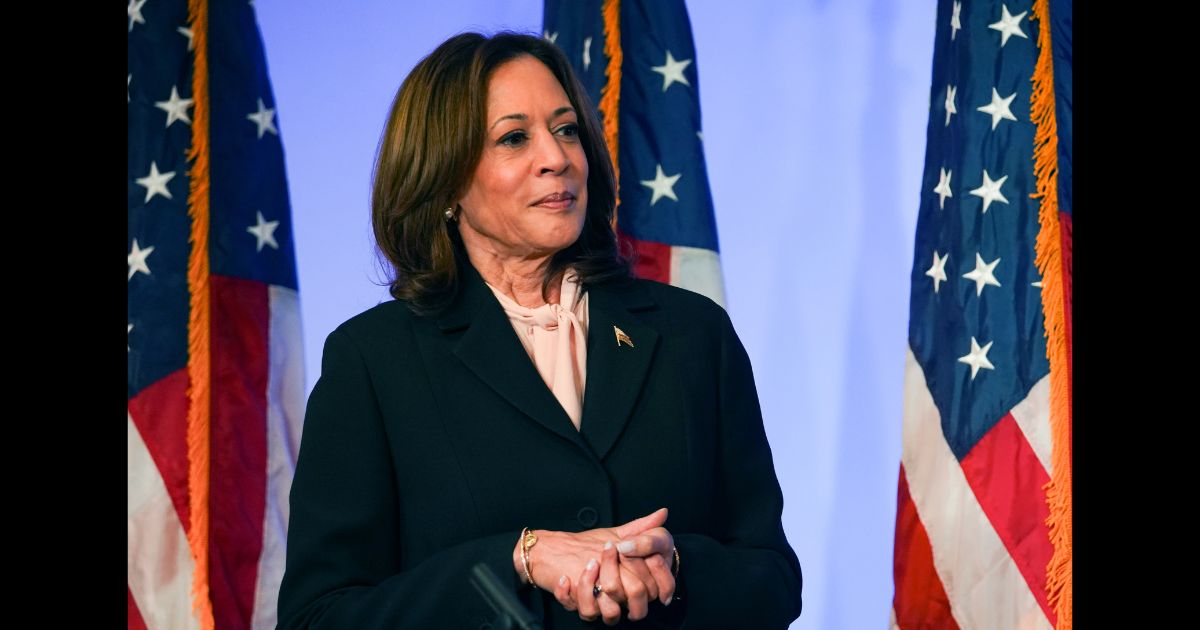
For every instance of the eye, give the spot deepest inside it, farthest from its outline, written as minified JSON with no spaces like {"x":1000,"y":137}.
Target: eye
{"x":570,"y":130}
{"x":513,"y":139}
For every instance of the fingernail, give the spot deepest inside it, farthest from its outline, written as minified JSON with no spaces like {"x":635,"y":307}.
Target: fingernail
{"x":608,"y":545}
{"x":562,"y":580}
{"x":626,"y":546}
{"x":591,"y":564}
{"x":670,"y":599}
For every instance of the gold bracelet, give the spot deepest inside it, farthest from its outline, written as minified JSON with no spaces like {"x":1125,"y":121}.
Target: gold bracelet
{"x":675,"y":572}
{"x":528,"y":539}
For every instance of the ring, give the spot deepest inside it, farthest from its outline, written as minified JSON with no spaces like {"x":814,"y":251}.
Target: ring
{"x":596,"y":590}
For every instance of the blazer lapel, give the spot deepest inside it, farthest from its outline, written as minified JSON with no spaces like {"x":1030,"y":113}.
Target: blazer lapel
{"x":491,"y":350}
{"x":615,"y":370}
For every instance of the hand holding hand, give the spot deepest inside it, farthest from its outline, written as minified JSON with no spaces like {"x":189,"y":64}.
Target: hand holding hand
{"x":629,"y":579}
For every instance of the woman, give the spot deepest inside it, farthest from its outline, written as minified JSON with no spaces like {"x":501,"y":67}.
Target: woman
{"x":524,"y":402}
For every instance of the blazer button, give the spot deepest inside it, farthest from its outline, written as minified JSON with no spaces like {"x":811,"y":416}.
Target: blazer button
{"x":587,"y":516}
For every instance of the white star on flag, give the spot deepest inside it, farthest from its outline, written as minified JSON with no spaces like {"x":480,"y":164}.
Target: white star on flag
{"x":264,"y":232}
{"x":1008,"y":25}
{"x":990,"y":191}
{"x":672,"y":71}
{"x":938,"y":270}
{"x":943,"y":187}
{"x":978,"y":357}
{"x":982,"y":274}
{"x":127,"y":331}
{"x":186,"y":32}
{"x":264,"y":118}
{"x":550,"y":37}
{"x":128,"y":81}
{"x":998,"y":108}
{"x":950,"y":109}
{"x":662,"y":185}
{"x":156,"y":183}
{"x":135,"y":13}
{"x":137,"y":260}
{"x":175,"y":107}
{"x":587,"y":53}
{"x":955,"y":24}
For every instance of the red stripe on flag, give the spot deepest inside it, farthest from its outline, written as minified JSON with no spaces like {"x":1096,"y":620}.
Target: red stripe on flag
{"x":240,"y":334}
{"x":134,"y":617}
{"x":651,"y":260}
{"x":1008,"y":481}
{"x":920,"y":600}
{"x":160,"y":414}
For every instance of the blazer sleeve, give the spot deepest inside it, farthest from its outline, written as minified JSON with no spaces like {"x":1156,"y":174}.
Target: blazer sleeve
{"x":750,"y":578}
{"x":343,"y":567}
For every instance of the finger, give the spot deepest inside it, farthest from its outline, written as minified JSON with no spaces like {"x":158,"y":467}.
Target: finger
{"x":638,"y":525}
{"x":613,"y":596}
{"x":654,"y":541}
{"x":610,"y":574}
{"x":661,"y":571}
{"x":588,"y":608}
{"x":609,"y":609}
{"x":641,"y":571}
{"x":562,"y":592}
{"x":637,"y":600}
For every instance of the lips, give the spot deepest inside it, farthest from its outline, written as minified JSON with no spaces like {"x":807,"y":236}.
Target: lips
{"x":561,"y":198}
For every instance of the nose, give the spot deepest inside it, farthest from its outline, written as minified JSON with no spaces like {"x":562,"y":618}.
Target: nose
{"x":551,"y":155}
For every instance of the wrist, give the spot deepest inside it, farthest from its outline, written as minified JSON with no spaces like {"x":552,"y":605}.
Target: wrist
{"x":516,"y":559}
{"x":521,"y":561}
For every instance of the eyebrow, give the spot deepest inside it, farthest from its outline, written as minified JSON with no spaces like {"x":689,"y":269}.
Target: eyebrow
{"x":555,"y":114}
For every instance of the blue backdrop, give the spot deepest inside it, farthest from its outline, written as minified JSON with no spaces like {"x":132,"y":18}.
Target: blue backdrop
{"x":814,"y":119}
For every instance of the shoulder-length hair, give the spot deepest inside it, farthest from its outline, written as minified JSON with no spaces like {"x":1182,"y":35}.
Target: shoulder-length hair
{"x":430,"y":149}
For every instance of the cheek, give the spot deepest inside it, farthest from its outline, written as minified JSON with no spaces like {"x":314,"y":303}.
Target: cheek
{"x":583,"y":203}
{"x":504,"y":183}
{"x":583,"y":183}
{"x":493,"y":193}
{"x":583,"y":163}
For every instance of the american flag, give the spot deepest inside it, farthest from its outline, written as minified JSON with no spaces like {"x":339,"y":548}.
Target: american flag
{"x":636,"y":59}
{"x":983,"y":532}
{"x":215,"y":360}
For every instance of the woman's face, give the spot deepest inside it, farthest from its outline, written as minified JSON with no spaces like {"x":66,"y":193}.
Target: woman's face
{"x":528,"y":197}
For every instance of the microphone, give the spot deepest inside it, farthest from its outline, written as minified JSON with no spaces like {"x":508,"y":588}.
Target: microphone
{"x":509,"y":612}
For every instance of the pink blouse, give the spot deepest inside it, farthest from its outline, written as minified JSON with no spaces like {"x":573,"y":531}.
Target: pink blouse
{"x":555,"y":336}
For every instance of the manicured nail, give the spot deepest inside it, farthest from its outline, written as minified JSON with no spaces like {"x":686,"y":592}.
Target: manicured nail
{"x":591,"y":564}
{"x":562,"y":580}
{"x":670,"y":599}
{"x":608,"y":545}
{"x":626,"y":546}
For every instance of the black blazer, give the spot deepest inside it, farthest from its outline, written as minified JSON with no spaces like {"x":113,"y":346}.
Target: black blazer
{"x":429,"y":442}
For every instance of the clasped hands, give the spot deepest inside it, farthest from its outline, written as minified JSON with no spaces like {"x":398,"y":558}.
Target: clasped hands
{"x":631,"y":563}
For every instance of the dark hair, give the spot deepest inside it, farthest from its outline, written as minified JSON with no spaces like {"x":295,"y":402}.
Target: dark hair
{"x":428,"y":154}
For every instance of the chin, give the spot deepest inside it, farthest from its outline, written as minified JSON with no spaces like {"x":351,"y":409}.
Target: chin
{"x":558,"y":247}
{"x":558,"y":244}
{"x":564,"y":236}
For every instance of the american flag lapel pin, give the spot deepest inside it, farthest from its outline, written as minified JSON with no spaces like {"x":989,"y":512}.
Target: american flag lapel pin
{"x":622,"y":337}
